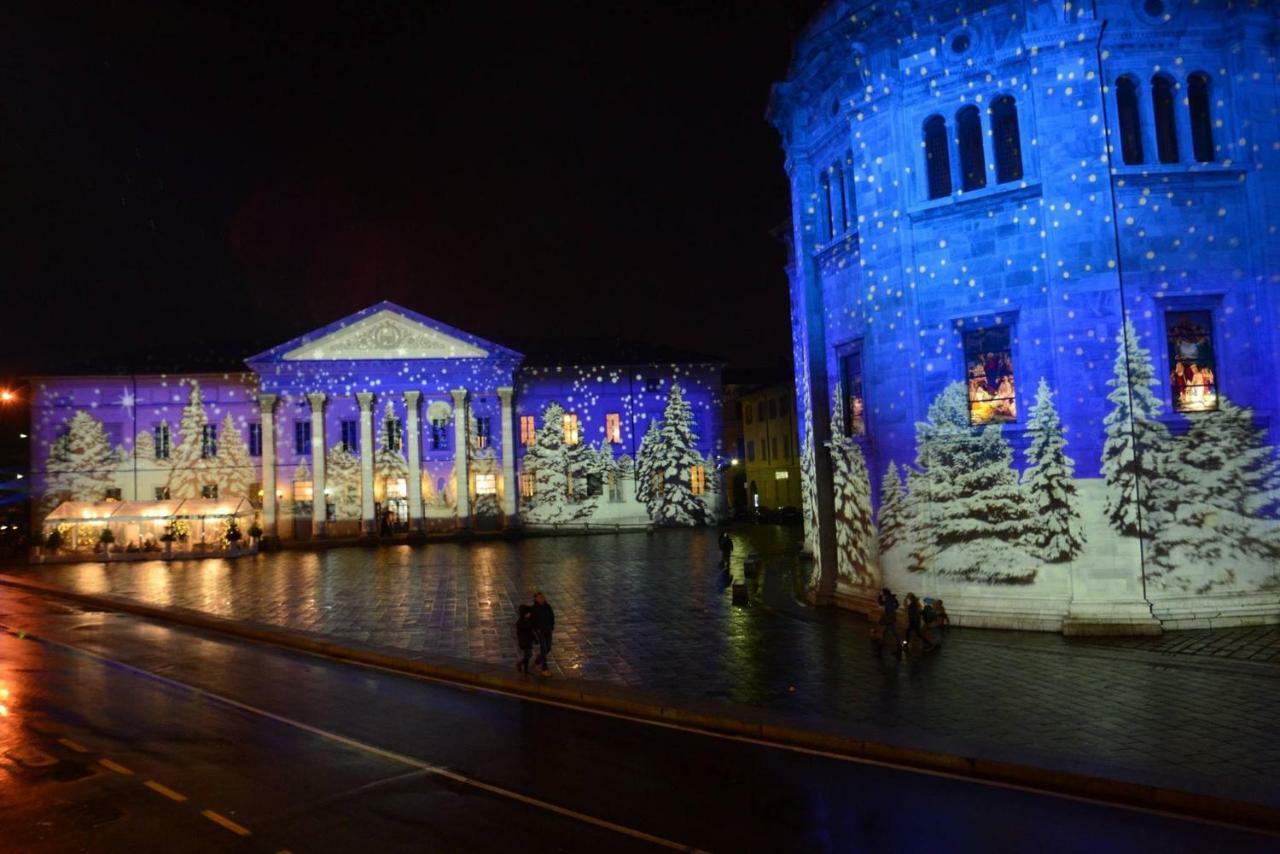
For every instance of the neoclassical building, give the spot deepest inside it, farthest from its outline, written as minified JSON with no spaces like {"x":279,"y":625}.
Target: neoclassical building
{"x":1035,"y":312}
{"x":384,"y":421}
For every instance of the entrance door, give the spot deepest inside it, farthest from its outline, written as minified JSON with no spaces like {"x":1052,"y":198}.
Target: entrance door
{"x":399,"y":509}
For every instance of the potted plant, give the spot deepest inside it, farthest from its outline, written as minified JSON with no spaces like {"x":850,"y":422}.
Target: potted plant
{"x":167,"y":538}
{"x":233,"y":536}
{"x":106,"y":538}
{"x":255,"y":534}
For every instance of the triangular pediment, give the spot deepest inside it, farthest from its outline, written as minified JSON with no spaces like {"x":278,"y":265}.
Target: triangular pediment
{"x":385,"y":334}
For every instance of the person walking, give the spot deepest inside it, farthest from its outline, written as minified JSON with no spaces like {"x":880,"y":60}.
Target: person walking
{"x":913,"y":624}
{"x":524,"y":637}
{"x":726,"y":549}
{"x":889,"y":621}
{"x":940,"y":611}
{"x":544,"y":623}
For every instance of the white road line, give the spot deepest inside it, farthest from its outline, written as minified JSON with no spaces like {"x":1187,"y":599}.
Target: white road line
{"x":411,"y":761}
{"x":706,"y":733}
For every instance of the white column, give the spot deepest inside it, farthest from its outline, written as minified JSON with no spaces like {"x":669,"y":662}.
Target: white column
{"x":460,"y":454}
{"x":316,"y":399}
{"x":510,"y":489}
{"x":267,"y":406}
{"x":368,"y":525}
{"x":411,"y":400}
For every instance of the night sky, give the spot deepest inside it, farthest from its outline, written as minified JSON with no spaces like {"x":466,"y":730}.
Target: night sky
{"x":187,"y":185}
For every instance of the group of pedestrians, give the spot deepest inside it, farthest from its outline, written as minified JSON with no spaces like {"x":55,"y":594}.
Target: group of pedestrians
{"x":925,"y":620}
{"x":535,"y":623}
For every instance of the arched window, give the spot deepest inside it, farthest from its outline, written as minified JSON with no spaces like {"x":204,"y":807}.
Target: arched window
{"x":1201,"y":119}
{"x":828,"y":224}
{"x":1008,"y":142}
{"x":973,"y":166}
{"x":937,"y":158}
{"x":838,"y":218}
{"x":1130,"y":120}
{"x":1166,"y":126}
{"x":846,"y":191}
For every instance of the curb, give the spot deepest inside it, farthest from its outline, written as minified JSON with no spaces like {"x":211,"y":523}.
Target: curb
{"x":708,"y":717}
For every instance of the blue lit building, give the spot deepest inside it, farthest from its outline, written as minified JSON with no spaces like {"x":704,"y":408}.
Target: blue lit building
{"x":1035,"y":287}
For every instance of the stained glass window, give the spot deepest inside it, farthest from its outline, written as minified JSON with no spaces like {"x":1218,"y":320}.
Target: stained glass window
{"x":1193,"y":381}
{"x":855,"y":420}
{"x":988,"y":359}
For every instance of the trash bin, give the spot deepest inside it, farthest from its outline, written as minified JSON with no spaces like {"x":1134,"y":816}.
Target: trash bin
{"x":740,"y":593}
{"x":751,"y":565}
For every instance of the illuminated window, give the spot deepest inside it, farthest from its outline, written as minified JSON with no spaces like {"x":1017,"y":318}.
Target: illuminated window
{"x":973,"y":165}
{"x":209,"y":490}
{"x":1201,"y":118}
{"x":162,"y":437}
{"x":855,"y":423}
{"x":1193,"y":383}
{"x":350,"y":437}
{"x":302,"y":490}
{"x":781,"y":474}
{"x":698,"y":480}
{"x":394,"y":436}
{"x":209,"y":441}
{"x":1006,"y":139}
{"x":255,"y":439}
{"x":440,"y":434}
{"x":937,"y":157}
{"x":571,"y":436}
{"x":481,"y":438}
{"x":527,"y":484}
{"x":486,"y":484}
{"x":302,"y":438}
{"x":1162,"y":87}
{"x":528,"y":431}
{"x":613,"y":428}
{"x":988,"y":359}
{"x":1130,"y":119}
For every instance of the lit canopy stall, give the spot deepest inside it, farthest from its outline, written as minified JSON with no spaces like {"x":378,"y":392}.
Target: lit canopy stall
{"x":143,"y":523}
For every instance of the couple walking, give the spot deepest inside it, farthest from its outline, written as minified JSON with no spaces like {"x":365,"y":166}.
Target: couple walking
{"x":535,"y":622}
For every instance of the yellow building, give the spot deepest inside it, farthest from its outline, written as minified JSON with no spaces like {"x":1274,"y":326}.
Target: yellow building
{"x":770,"y":448}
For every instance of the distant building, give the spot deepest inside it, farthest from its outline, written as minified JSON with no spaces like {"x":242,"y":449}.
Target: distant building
{"x":771,"y":457}
{"x":1035,"y":288}
{"x":384,"y":421}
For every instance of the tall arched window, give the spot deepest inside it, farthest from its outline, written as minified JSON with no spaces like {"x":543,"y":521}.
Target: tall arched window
{"x":1201,"y":117}
{"x":937,"y":158}
{"x":1130,"y":119}
{"x":846,"y":191}
{"x":838,"y":216}
{"x":828,"y":225}
{"x":973,"y":166}
{"x":1162,"y":86}
{"x":1008,"y":141}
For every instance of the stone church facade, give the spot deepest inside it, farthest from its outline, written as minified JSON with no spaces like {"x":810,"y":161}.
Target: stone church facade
{"x":1035,"y":312}
{"x":383,"y":422}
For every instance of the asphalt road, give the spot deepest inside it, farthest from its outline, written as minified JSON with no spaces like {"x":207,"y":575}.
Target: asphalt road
{"x":117,"y":734}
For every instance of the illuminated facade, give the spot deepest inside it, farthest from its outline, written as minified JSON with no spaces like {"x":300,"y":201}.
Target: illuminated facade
{"x":1034,"y":308}
{"x":401,"y":423}
{"x":770,"y":456}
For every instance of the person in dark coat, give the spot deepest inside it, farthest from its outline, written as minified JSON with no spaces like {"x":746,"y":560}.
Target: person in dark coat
{"x":889,"y":620}
{"x":913,"y":624}
{"x":726,"y":549}
{"x":544,"y":623}
{"x":524,"y":637}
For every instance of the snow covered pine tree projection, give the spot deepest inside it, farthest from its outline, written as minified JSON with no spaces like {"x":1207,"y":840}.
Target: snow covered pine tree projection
{"x":675,"y":458}
{"x":892,"y":516}
{"x":1057,"y":534}
{"x":191,"y":468}
{"x":1205,"y":502}
{"x":855,"y":533}
{"x":648,"y":489}
{"x":977,"y":517}
{"x":545,"y":460}
{"x":342,"y":479}
{"x":81,"y":462}
{"x":235,"y":469}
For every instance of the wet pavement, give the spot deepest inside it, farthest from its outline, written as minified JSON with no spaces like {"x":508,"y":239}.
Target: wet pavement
{"x":119,"y":733}
{"x":653,"y":612}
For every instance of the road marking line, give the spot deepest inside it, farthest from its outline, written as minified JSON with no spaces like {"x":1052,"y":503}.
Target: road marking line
{"x":115,"y":766}
{"x":412,"y":762}
{"x":238,"y":829}
{"x":78,"y":748}
{"x":165,"y":790}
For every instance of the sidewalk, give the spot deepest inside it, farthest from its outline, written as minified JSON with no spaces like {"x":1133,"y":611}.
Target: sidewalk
{"x":1190,"y":710}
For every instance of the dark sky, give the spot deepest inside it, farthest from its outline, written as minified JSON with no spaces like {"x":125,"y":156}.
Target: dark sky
{"x":197,"y":180}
